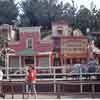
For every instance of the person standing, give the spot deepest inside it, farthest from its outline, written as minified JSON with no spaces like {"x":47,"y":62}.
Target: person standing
{"x":76,"y":69}
{"x":92,"y":67}
{"x":84,"y":67}
{"x":31,"y":80}
{"x":1,"y":78}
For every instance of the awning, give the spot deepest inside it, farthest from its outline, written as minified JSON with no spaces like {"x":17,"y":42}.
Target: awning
{"x":26,"y":52}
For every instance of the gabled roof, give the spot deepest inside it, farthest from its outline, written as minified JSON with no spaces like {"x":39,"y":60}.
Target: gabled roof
{"x":95,"y":33}
{"x":61,"y":22}
{"x":26,"y":52}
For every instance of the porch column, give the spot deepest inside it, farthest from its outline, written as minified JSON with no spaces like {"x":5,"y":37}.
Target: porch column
{"x":50,"y":62}
{"x":61,"y":58}
{"x":20,"y":64}
{"x":35,"y":61}
{"x":71,"y":62}
{"x":64,"y":65}
{"x":7,"y":65}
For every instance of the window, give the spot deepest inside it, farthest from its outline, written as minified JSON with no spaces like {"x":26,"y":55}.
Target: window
{"x":17,"y":37}
{"x":29,"y":42}
{"x":43,"y":61}
{"x":60,"y":32}
{"x":29,"y":60}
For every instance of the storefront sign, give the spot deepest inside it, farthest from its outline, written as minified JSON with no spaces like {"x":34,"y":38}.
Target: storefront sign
{"x":74,"y":46}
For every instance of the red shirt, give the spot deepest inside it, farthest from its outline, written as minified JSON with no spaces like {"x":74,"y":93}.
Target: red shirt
{"x":32,"y":75}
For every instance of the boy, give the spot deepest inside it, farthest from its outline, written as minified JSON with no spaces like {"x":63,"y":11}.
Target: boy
{"x":31,"y":80}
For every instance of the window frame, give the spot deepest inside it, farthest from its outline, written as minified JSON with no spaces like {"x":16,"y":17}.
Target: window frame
{"x":27,"y":42}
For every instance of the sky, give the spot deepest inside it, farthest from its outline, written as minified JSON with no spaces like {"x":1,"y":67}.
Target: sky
{"x":84,"y":2}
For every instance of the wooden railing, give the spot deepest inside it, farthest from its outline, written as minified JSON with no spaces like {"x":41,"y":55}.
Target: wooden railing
{"x":56,"y":82}
{"x":72,"y":87}
{"x":49,"y":73}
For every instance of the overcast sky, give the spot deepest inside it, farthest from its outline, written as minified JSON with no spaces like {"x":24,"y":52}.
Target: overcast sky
{"x":82,"y":2}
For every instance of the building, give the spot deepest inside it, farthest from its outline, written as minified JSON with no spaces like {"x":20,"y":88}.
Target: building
{"x":58,"y":49}
{"x":95,"y":49}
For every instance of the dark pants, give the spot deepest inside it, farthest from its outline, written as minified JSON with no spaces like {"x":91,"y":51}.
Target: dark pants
{"x":1,"y":91}
{"x":30,"y":88}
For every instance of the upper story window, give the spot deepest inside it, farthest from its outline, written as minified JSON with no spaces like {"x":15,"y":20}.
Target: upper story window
{"x":17,"y":37}
{"x":60,"y":32}
{"x":29,"y":43}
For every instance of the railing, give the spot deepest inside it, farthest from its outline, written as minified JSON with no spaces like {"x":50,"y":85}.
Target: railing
{"x":49,"y":73}
{"x":50,"y":76}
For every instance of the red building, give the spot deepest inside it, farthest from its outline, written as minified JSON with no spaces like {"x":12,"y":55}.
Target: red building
{"x":59,"y":49}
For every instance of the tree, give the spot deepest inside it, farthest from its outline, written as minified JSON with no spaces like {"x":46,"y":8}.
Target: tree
{"x":41,"y":12}
{"x":83,"y":19}
{"x":68,"y":13}
{"x":8,"y":11}
{"x":97,"y":24}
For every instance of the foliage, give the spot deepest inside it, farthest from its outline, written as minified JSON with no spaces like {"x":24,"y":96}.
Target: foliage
{"x":2,"y":62}
{"x":83,"y":19}
{"x":45,"y":33}
{"x":43,"y":12}
{"x":8,"y":12}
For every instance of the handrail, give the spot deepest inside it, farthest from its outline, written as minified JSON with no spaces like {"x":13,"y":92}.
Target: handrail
{"x":49,"y":73}
{"x":58,"y":91}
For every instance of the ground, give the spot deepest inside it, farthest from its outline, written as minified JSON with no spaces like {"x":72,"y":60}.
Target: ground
{"x":55,"y":97}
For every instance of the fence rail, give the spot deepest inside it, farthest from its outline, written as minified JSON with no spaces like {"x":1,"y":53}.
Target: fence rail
{"x":60,"y":86}
{"x":44,"y":74}
{"x":51,"y":77}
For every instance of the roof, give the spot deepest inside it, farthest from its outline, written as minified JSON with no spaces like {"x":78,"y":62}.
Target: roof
{"x":26,"y":52}
{"x":61,"y":22}
{"x":95,"y":49}
{"x":95,"y":33}
{"x":47,"y":38}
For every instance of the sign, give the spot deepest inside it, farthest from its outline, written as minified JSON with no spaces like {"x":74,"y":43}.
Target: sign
{"x":70,"y":46}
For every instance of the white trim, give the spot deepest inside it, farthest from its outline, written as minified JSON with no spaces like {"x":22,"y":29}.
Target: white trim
{"x":35,"y":61}
{"x":50,"y":62}
{"x":39,"y":53}
{"x":7,"y":66}
{"x":14,"y":42}
{"x":44,"y":53}
{"x":30,"y":29}
{"x":20,"y":66}
{"x":11,"y":54}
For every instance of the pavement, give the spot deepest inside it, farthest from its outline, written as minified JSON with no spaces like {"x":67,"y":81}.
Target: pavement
{"x":42,"y":96}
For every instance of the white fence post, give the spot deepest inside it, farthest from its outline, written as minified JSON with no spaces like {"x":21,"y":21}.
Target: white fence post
{"x":54,"y":73}
{"x":7,"y":65}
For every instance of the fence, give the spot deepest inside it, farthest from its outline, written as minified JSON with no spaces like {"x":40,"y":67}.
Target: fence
{"x":57,"y":81}
{"x":52,"y":73}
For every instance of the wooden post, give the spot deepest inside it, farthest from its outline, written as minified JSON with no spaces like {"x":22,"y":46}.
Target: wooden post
{"x":12,"y":90}
{"x":35,"y":61}
{"x":58,"y":91}
{"x":93,"y":90}
{"x":54,"y":73}
{"x":81,"y":85}
{"x":50,"y":62}
{"x":7,"y":65}
{"x":23,"y":90}
{"x":20,"y":66}
{"x":71,"y":61}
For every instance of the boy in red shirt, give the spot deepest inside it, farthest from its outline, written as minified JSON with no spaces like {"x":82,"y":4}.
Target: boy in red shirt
{"x":31,"y":79}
